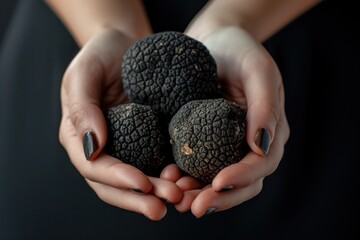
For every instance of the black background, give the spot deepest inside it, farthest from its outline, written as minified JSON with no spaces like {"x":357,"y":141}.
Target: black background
{"x":312,"y":195}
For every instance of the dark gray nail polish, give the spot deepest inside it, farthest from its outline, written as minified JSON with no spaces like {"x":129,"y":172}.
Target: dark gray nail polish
{"x":135,"y":190}
{"x":89,"y":143}
{"x":210,"y":211}
{"x":227,"y":188}
{"x":262,"y":140}
{"x":165,"y":201}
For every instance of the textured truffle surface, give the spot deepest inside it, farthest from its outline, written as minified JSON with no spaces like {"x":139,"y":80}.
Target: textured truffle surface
{"x":207,"y":136}
{"x":135,"y":137}
{"x":168,"y":69}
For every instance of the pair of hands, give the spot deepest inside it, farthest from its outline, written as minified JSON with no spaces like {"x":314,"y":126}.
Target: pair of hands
{"x":248,"y":76}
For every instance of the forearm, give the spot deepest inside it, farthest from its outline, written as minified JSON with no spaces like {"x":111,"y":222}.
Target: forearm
{"x":85,"y":18}
{"x":261,"y":18}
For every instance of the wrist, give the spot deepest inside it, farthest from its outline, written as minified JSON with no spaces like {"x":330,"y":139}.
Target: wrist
{"x":133,"y":36}
{"x":261,"y":18}
{"x":85,"y":19}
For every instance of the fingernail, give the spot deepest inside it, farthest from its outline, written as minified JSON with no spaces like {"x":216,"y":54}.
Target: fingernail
{"x":210,"y":211}
{"x":135,"y":190}
{"x":227,"y":188}
{"x":262,"y":140}
{"x":89,"y":144}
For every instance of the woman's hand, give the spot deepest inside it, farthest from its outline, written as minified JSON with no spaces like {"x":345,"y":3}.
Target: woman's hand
{"x":248,"y":76}
{"x":92,"y":84}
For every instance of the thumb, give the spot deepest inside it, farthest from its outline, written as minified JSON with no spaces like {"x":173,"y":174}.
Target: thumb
{"x":91,"y":83}
{"x":264,"y":96}
{"x":88,"y":120}
{"x":81,"y":100}
{"x":262,"y":120}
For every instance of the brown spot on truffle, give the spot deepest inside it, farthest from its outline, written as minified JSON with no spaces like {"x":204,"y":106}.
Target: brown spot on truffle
{"x":215,"y":130}
{"x":186,"y":150}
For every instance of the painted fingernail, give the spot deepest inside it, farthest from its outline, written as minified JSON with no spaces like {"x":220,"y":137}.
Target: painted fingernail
{"x":135,"y":190}
{"x":227,"y":188}
{"x":89,"y":143}
{"x":262,"y":140}
{"x":210,"y":211}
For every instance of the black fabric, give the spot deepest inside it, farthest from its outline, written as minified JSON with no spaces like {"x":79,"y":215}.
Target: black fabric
{"x":6,"y":10}
{"x":169,"y":16}
{"x":312,"y":195}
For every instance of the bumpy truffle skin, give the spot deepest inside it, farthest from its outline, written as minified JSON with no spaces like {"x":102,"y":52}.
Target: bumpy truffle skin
{"x":135,"y":137}
{"x":207,"y":136}
{"x":168,"y":69}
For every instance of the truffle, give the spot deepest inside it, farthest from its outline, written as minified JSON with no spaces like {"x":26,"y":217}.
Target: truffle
{"x":165,"y":70}
{"x":135,"y":137}
{"x":207,"y":136}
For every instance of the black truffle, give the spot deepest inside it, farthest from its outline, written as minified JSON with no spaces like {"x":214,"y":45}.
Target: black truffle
{"x":207,"y":136}
{"x":135,"y":137}
{"x":168,"y":69}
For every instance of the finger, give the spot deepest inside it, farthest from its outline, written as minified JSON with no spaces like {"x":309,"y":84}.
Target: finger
{"x":146,"y":204}
{"x":241,"y":174}
{"x":263,"y":89}
{"x":82,"y":108}
{"x":188,"y":197}
{"x":112,"y":172}
{"x":166,"y":190}
{"x":253,"y":166}
{"x":82,"y":94}
{"x":106,"y":170}
{"x":189,"y":183}
{"x":174,"y":174}
{"x":209,"y":201}
{"x":246,"y":68}
{"x":171,"y":172}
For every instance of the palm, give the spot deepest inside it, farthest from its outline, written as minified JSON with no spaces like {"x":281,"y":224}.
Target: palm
{"x":249,"y":76}
{"x":91,"y":85}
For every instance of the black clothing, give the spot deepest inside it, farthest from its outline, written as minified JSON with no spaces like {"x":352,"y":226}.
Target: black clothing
{"x":312,"y":195}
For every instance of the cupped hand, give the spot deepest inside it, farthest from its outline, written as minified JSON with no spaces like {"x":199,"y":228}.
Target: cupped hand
{"x":249,"y":76}
{"x":92,"y":84}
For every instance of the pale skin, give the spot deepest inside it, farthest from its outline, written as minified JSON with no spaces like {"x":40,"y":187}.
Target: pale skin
{"x":105,"y":29}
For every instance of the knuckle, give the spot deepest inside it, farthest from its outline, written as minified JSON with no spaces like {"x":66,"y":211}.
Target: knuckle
{"x":78,"y":114}
{"x":275,"y":113}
